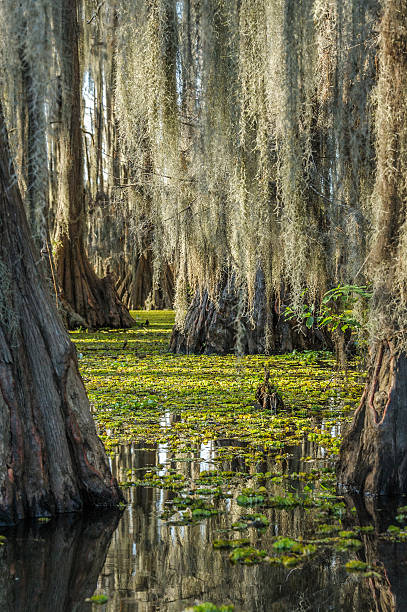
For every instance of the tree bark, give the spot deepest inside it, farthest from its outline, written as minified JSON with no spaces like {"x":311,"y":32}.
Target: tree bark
{"x":93,"y":299}
{"x":51,"y":459}
{"x":373,"y":455}
{"x":214,"y":327}
{"x":136,"y":288}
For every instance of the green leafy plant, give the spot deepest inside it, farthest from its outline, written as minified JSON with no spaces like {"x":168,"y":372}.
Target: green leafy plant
{"x":336,"y":310}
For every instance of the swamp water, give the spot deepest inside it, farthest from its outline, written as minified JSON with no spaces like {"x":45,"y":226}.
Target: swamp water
{"x":226,"y":504}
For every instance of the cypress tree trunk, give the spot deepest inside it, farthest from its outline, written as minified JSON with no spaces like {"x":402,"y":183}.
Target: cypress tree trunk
{"x":35,"y":166}
{"x":51,"y":459}
{"x":214,"y":327}
{"x":374,"y":451}
{"x":135,"y":286}
{"x":373,"y":456}
{"x":34,"y":146}
{"x":93,"y":299}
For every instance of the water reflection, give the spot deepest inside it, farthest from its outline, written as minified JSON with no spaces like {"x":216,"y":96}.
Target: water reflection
{"x":168,"y":568}
{"x":153,"y":565}
{"x":389,"y":593}
{"x":54,"y":567}
{"x":150,"y":565}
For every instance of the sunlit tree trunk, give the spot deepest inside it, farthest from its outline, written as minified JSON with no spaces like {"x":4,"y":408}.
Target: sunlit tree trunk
{"x":94,"y":299}
{"x":51,"y":459}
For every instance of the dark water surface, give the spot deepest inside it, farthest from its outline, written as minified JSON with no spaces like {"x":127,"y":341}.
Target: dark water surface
{"x":145,"y":564}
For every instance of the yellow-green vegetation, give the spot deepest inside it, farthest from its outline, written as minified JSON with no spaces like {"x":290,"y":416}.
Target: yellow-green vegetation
{"x":98,"y":599}
{"x":141,"y":392}
{"x":210,"y":607}
{"x":361,"y":568}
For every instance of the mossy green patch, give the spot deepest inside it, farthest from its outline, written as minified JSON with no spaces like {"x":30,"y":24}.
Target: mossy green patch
{"x":98,"y":599}
{"x":361,"y":569}
{"x":247,"y":555}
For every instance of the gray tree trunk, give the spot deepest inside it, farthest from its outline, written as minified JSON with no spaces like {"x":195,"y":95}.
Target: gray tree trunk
{"x":93,"y":299}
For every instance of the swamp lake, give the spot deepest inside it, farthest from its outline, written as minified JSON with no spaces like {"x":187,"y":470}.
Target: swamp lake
{"x":225,"y":503}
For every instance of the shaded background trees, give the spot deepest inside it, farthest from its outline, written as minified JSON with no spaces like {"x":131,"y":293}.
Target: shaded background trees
{"x":258,"y":123}
{"x":46,"y":66}
{"x":215,"y":144}
{"x":249,"y":150}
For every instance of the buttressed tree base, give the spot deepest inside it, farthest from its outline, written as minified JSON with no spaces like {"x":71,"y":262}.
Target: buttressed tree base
{"x":373,"y":456}
{"x":51,"y":459}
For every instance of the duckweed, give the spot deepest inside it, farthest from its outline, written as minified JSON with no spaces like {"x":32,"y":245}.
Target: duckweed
{"x":362,"y":569}
{"x":284,"y":544}
{"x":98,"y":599}
{"x":249,"y":500}
{"x":224,"y":544}
{"x":356,"y":566}
{"x":348,"y":544}
{"x":143,"y":394}
{"x":247,"y":555}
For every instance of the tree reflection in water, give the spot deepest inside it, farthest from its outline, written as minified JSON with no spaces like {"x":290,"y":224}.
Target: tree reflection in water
{"x":389,"y":593}
{"x":54,"y":567}
{"x":155,"y":566}
{"x":148,"y":565}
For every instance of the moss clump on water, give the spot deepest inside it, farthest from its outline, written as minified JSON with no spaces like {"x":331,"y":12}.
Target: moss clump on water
{"x":98,"y":599}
